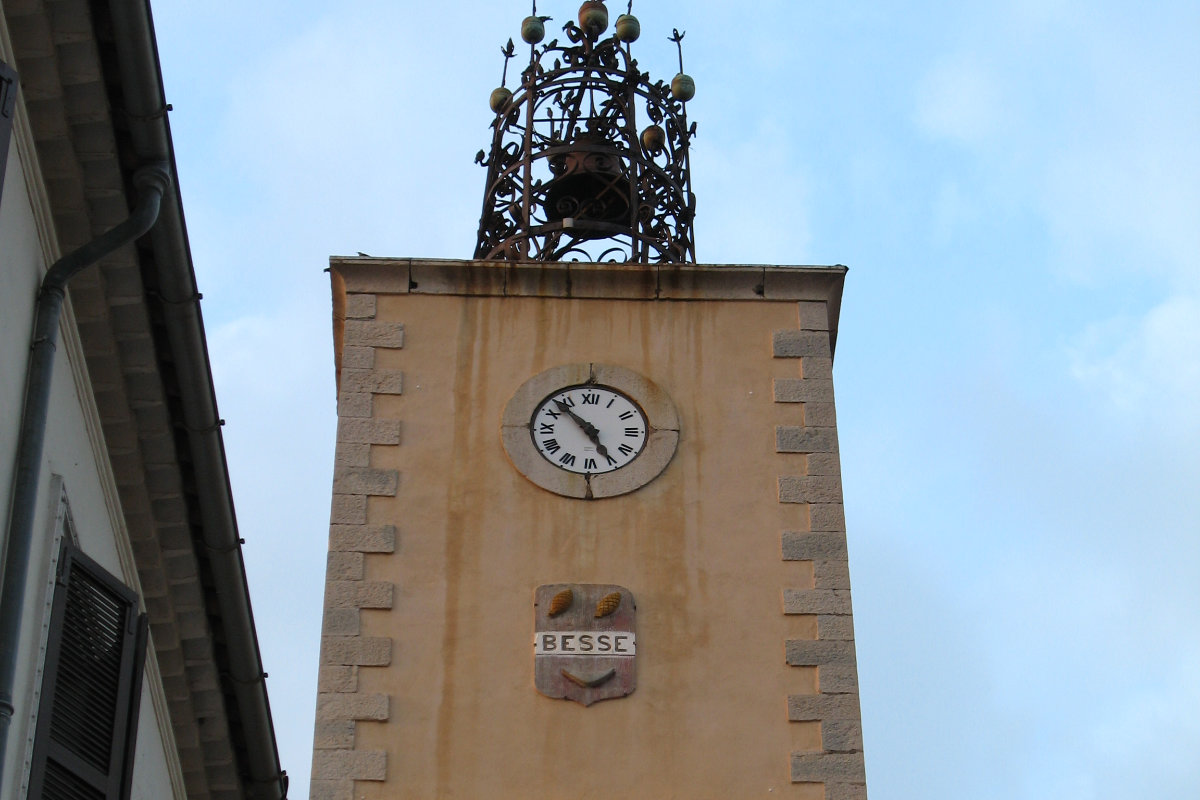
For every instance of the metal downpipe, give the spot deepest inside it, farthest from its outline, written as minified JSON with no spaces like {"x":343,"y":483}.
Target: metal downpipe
{"x":152,"y":182}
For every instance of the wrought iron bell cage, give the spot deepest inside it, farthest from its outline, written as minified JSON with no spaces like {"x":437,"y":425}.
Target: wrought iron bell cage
{"x":589,"y":158}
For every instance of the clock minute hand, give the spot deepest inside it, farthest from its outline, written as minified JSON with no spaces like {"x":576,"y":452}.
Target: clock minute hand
{"x":590,"y":430}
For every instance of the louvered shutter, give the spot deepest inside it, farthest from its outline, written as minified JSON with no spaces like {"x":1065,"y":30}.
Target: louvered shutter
{"x":8,"y":107}
{"x":87,"y":721}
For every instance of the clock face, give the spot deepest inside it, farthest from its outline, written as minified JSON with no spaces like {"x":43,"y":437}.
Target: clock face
{"x":589,"y":429}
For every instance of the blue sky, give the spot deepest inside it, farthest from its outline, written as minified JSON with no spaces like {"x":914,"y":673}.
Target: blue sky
{"x":1016,"y":189}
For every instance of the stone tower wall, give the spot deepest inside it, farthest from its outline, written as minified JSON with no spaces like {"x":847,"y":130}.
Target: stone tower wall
{"x":736,"y":554}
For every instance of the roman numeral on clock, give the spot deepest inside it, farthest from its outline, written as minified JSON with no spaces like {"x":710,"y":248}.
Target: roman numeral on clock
{"x":589,"y":463}
{"x":552,"y":446}
{"x":590,"y":399}
{"x":567,"y":459}
{"x":625,"y":450}
{"x":627,"y":415}
{"x":547,"y":428}
{"x":634,"y":432}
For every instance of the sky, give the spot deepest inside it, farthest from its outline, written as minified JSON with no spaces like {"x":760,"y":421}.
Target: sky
{"x":1015,"y":186}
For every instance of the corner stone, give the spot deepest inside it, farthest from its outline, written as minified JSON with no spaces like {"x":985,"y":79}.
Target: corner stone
{"x":360,"y":306}
{"x":827,"y":517}
{"x":371,"y":333}
{"x":810,"y":489}
{"x":334,"y":735}
{"x":331,"y":790}
{"x":337,"y":679}
{"x":798,"y":344}
{"x":358,"y":594}
{"x":348,"y":510}
{"x":358,"y":651}
{"x":372,"y":381}
{"x":359,"y":765}
{"x":820,"y":707}
{"x":842,"y":736}
{"x":803,"y":390}
{"x":791,"y":439}
{"x":361,"y":481}
{"x":828,"y":767}
{"x":363,"y":538}
{"x":846,"y":791}
{"x":816,"y":601}
{"x":813,"y":546}
{"x":813,"y":653}
{"x":353,"y":706}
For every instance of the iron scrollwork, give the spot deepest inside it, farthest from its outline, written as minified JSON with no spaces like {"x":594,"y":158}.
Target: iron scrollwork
{"x":573,"y":176}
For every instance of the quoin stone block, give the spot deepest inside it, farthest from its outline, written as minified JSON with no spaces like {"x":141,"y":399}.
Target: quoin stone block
{"x":813,"y":546}
{"x":362,"y":651}
{"x":803,"y":390}
{"x":374,"y":334}
{"x":810,"y":489}
{"x":359,"y":765}
{"x":363,"y":538}
{"x":799,"y":344}
{"x":790,"y":439}
{"x":360,"y":481}
{"x":372,"y":381}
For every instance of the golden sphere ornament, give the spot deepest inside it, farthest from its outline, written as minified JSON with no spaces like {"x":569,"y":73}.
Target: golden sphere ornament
{"x":628,"y":28}
{"x":683,"y":87}
{"x":593,"y":18}
{"x":500,"y":99}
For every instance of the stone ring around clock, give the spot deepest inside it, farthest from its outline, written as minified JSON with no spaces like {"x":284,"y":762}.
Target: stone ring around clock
{"x":661,"y":435}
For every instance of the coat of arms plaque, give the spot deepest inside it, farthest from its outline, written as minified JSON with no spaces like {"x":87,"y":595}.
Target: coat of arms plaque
{"x":584,"y":642}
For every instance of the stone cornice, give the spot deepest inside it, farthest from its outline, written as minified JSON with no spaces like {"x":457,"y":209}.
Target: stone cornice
{"x":582,"y":281}
{"x":592,"y":281}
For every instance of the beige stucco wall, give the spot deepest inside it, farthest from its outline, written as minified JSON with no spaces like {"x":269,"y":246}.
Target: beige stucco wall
{"x":699,"y":548}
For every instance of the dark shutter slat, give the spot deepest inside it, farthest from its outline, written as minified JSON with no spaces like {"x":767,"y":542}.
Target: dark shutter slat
{"x":88,"y":718}
{"x":61,"y":784}
{"x":85,"y":697}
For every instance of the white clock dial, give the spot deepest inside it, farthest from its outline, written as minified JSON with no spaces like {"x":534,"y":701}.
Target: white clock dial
{"x":588,"y":429}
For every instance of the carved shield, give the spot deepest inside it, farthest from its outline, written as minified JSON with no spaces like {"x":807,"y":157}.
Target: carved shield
{"x":584,"y":642}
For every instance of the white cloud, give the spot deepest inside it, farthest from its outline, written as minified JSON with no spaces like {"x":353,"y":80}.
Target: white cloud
{"x":1127,"y":202}
{"x":959,"y":99}
{"x":952,"y":209}
{"x":769,"y":224}
{"x":1149,"y":367}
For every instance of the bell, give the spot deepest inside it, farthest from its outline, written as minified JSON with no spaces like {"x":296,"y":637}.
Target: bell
{"x":589,"y":184}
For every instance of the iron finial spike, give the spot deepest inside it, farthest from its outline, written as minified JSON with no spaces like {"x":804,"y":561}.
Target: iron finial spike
{"x":630,"y":10}
{"x":508,"y":52}
{"x":677,"y":38}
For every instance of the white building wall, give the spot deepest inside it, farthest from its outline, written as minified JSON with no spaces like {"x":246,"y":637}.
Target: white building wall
{"x":20,"y":266}
{"x":75,"y":450}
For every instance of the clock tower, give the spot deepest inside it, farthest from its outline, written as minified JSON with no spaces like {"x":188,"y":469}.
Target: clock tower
{"x":587,"y":536}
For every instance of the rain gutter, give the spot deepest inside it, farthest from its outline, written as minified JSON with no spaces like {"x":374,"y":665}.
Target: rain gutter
{"x":145,"y":107}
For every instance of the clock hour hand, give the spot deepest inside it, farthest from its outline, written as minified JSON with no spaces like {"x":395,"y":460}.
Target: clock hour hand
{"x":589,"y":429}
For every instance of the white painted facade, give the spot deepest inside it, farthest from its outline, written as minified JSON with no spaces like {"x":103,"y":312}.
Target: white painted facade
{"x":76,"y":471}
{"x":132,"y":471}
